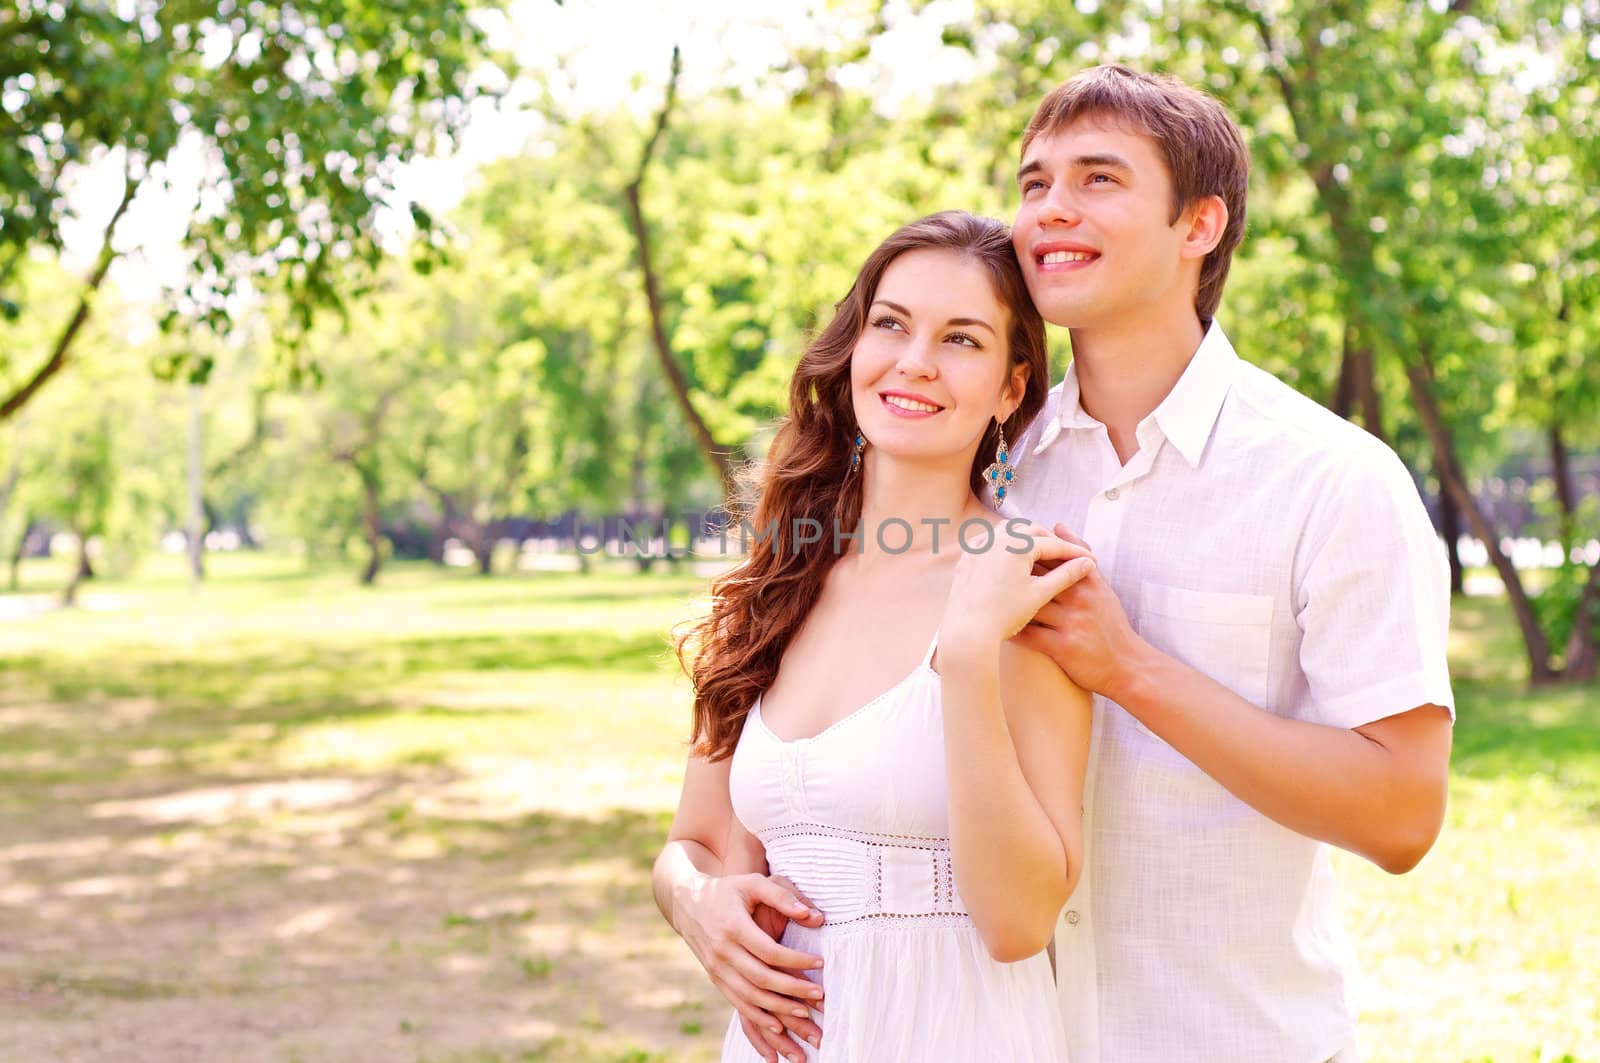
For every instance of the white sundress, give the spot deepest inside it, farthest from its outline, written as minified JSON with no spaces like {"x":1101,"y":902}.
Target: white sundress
{"x":857,"y":817}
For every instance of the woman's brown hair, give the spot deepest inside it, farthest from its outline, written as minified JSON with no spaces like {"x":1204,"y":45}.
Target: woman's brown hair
{"x":732,"y":655}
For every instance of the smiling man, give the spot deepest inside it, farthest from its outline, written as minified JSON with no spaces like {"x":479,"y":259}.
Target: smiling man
{"x":1265,"y":632}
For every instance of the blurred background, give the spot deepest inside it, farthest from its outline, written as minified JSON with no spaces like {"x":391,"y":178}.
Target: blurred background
{"x":368,"y":369}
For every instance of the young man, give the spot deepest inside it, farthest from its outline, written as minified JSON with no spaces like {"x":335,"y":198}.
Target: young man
{"x":1265,"y":632}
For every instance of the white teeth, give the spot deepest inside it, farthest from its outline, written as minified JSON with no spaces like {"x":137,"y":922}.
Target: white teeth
{"x":1066,"y":256}
{"x":910,"y":404}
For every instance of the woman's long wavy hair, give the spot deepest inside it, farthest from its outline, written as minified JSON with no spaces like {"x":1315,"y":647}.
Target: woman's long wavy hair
{"x":732,"y":654}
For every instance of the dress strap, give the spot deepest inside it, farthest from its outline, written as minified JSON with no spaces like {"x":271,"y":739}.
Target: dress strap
{"x":927,"y":658}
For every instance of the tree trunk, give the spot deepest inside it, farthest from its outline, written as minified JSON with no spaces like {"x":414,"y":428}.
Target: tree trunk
{"x":1358,"y":386}
{"x":717,"y":456}
{"x":1450,"y":529}
{"x":13,"y":473}
{"x":58,"y":357}
{"x":483,"y":549}
{"x":14,"y":584}
{"x":1583,"y":648}
{"x":1366,"y":387}
{"x":197,"y":504}
{"x":442,"y":530}
{"x":1448,"y":469}
{"x":1561,"y":472}
{"x":82,"y":571}
{"x":1344,"y":390}
{"x":373,"y":519}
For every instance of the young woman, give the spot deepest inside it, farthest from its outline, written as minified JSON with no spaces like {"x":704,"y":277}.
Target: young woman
{"x":881,"y":780}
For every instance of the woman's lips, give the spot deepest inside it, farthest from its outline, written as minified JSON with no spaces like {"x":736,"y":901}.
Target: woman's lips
{"x":903,"y":411}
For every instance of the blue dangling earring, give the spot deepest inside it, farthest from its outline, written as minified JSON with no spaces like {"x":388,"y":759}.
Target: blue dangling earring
{"x":1001,"y":475}
{"x":855,"y":455}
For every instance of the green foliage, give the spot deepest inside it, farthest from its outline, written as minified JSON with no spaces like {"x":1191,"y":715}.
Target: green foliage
{"x":299,"y":112}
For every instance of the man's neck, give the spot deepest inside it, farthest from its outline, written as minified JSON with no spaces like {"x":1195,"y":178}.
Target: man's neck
{"x":1124,"y":373}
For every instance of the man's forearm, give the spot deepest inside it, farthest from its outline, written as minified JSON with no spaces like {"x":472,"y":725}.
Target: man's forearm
{"x":1329,"y":783}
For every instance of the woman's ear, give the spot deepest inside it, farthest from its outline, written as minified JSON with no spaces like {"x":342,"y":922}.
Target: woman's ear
{"x":1016,"y":388}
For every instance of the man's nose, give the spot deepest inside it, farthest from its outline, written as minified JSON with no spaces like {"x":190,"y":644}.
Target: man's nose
{"x":1059,"y":207}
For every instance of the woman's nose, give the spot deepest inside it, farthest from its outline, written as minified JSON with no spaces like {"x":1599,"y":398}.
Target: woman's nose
{"x":916,"y":358}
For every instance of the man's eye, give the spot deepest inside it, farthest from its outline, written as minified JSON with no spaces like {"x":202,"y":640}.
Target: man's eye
{"x":1029,"y":186}
{"x":1099,"y":177}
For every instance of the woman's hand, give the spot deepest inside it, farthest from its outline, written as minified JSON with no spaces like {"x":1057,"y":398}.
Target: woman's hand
{"x":995,"y":592}
{"x":731,"y":923}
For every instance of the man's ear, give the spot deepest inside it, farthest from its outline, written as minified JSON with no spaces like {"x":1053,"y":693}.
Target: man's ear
{"x":1206,"y":218}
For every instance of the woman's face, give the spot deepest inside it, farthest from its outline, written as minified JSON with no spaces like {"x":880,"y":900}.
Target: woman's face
{"x":933,"y":365}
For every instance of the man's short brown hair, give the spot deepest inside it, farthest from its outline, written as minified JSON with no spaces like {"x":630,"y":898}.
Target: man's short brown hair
{"x":1204,"y":150}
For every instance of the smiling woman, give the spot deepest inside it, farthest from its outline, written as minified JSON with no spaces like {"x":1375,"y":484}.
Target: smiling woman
{"x":904,"y":836}
{"x":939,"y":316}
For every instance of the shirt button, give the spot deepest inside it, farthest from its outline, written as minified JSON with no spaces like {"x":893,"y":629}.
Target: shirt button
{"x":1072,"y":918}
{"x":1113,"y":494}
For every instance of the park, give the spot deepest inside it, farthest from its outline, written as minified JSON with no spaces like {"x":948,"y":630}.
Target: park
{"x":374,"y":379}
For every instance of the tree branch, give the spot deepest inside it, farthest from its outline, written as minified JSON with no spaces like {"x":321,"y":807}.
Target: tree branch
{"x":58,"y":357}
{"x":658,"y":330}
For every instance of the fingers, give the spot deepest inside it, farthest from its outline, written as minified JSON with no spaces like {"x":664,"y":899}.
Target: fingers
{"x":1041,"y":589}
{"x":804,"y":1029}
{"x":764,"y":1026}
{"x":813,"y":917}
{"x":768,"y":891}
{"x":783,"y":991}
{"x":1051,"y":614}
{"x":1035,"y":638}
{"x":1064,"y":532}
{"x":736,"y":991}
{"x":771,"y":1046}
{"x":757,"y":1036}
{"x":773,"y":954}
{"x":1063,"y":576}
{"x":1048,"y":548}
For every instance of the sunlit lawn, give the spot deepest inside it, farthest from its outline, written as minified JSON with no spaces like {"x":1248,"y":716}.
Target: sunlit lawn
{"x":291,"y":819}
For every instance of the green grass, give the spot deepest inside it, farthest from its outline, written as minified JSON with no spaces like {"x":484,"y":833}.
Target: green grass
{"x":286,"y":817}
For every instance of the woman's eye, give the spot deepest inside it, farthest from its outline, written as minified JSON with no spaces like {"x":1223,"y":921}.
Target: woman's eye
{"x":962,"y":337}
{"x":888,"y":323}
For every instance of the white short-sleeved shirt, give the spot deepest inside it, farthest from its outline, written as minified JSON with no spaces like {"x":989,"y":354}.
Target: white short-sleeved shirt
{"x":1281,"y":550}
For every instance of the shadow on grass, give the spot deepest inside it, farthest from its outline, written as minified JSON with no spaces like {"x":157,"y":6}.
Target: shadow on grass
{"x":406,"y":929}
{"x":299,"y":669}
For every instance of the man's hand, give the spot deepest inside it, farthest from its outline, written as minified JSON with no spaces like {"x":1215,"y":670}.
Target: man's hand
{"x":1084,"y":630}
{"x":732,"y":925}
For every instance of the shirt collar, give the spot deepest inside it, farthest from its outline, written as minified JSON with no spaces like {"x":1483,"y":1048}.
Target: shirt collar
{"x":1188,"y":413}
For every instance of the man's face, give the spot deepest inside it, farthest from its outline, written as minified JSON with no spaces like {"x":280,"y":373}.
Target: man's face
{"x":1094,"y":232}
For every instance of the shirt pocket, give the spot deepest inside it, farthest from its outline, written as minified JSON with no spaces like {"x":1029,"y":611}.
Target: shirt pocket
{"x":1225,"y":636}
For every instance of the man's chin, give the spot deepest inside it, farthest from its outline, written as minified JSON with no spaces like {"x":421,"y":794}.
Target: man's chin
{"x":1069,"y":313}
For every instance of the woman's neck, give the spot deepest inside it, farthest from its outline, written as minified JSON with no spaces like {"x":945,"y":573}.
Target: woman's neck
{"x":911,"y":507}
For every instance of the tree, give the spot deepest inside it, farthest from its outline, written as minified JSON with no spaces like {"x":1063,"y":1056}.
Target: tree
{"x":299,"y":114}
